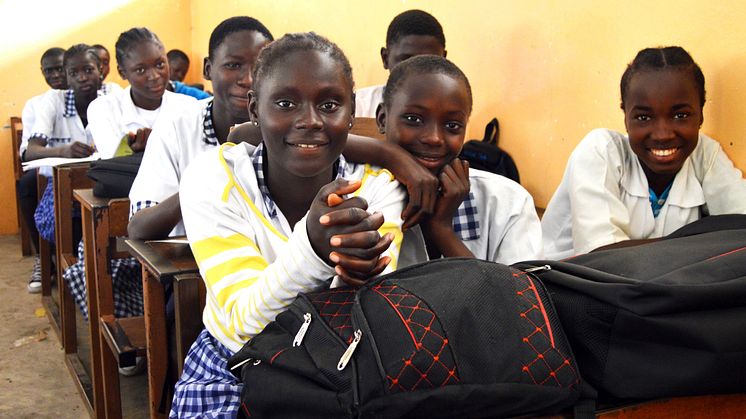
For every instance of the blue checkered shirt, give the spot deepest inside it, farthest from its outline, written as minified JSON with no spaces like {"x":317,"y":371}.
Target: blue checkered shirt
{"x":465,"y":222}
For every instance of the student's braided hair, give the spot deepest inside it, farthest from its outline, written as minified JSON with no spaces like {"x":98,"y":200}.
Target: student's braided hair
{"x":235,"y":24}
{"x":79,"y":49}
{"x":419,"y":65}
{"x":272,"y":55}
{"x":130,"y":39}
{"x":664,"y":58}
{"x":52,"y":52}
{"x":414,"y":22}
{"x":101,"y":47}
{"x":177,"y":54}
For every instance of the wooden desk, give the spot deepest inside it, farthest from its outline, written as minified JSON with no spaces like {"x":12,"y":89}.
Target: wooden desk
{"x":161,"y":262}
{"x":716,"y":406}
{"x":104,"y":220}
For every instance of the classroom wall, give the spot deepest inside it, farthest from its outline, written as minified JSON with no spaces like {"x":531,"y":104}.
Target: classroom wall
{"x":64,"y":24}
{"x":549,"y":70}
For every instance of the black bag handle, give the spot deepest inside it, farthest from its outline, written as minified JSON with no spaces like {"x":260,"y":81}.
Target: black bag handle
{"x":492,"y":132}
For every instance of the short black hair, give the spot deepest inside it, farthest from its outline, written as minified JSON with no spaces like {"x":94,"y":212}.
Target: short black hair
{"x":235,"y":24}
{"x":52,"y":52}
{"x":131,"y":38}
{"x":664,"y":58}
{"x":175,"y":54}
{"x":79,"y":49}
{"x":272,"y":54}
{"x":414,"y":22}
{"x":99,"y":46}
{"x":419,"y":65}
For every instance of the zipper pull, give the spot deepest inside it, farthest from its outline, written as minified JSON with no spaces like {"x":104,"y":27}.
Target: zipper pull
{"x":350,"y":350}
{"x":538,"y":268}
{"x":303,"y":329}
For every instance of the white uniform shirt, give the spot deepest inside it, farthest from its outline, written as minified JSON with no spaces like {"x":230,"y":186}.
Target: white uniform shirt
{"x":496,"y":222}
{"x":56,"y":120}
{"x":113,"y":116}
{"x":28,"y":116}
{"x":172,"y":145}
{"x":367,"y":100}
{"x":252,"y":263}
{"x":604,"y":196}
{"x":109,"y":88}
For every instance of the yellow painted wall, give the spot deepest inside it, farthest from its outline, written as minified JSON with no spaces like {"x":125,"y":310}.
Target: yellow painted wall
{"x":64,"y":24}
{"x":549,"y":70}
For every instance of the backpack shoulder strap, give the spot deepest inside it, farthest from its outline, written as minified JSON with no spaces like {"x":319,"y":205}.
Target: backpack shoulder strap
{"x":492,"y":132}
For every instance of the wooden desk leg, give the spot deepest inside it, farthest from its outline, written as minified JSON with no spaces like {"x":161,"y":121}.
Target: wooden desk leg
{"x":188,"y":317}
{"x":157,"y":340}
{"x":89,"y":243}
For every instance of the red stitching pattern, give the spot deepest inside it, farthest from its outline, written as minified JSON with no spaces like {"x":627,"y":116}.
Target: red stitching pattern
{"x":431,"y":364}
{"x":550,"y":366}
{"x":335,"y":308}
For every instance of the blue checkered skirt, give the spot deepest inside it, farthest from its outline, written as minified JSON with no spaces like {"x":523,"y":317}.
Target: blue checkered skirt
{"x":206,"y":388}
{"x":126,"y":282}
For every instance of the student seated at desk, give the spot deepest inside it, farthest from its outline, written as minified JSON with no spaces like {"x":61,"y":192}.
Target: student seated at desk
{"x":60,"y":127}
{"x":662,"y":175}
{"x":105,"y":59}
{"x":178,"y":64}
{"x":253,"y":213}
{"x":54,"y":75}
{"x":426,"y":106}
{"x":411,"y":33}
{"x":124,"y":119}
{"x":154,"y":201}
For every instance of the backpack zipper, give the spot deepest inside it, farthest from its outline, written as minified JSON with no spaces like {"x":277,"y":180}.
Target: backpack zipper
{"x":350,"y":350}
{"x":538,"y":269}
{"x":303,"y":329}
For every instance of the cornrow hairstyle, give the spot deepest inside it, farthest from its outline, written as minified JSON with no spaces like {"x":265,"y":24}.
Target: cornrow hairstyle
{"x":664,"y":58}
{"x":130,"y":39}
{"x":414,"y":22}
{"x":272,"y":55}
{"x":419,"y":65}
{"x":52,"y":52}
{"x":101,"y":47}
{"x":235,"y":24}
{"x":79,"y":49}
{"x":175,"y":54}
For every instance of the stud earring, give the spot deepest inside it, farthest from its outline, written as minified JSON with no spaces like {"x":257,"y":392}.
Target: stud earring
{"x":256,"y":123}
{"x":349,"y":125}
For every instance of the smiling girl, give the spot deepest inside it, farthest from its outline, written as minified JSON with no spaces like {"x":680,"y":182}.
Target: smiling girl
{"x":258,"y":218}
{"x":663,"y":175}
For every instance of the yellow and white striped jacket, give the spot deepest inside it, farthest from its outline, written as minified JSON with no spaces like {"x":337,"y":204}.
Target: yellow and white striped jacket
{"x":252,"y":264}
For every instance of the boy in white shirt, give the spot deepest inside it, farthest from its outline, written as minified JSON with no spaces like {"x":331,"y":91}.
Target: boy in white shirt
{"x":410,"y":33}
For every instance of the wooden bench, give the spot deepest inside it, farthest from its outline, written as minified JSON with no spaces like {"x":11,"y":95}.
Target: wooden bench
{"x":716,"y":406}
{"x":115,"y":342}
{"x":367,"y":127}
{"x":16,"y":128}
{"x":167,"y":264}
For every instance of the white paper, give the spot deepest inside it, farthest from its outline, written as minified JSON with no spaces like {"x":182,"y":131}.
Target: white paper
{"x":56,"y":161}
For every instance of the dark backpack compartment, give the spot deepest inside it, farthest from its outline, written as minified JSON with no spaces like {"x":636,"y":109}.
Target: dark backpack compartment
{"x":658,"y":320}
{"x":449,"y":338}
{"x":486,"y":154}
{"x":114,"y":177}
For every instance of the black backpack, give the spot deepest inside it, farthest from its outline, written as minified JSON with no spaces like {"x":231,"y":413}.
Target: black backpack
{"x":114,"y":177}
{"x":448,"y":338}
{"x":486,"y":155}
{"x":657,"y":320}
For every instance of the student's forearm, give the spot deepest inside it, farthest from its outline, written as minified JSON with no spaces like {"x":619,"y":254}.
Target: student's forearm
{"x":446,"y":240}
{"x":155,"y":222}
{"x":368,"y":150}
{"x":36,"y":151}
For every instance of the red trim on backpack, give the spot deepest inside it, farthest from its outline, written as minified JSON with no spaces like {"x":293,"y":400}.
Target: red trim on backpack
{"x":276,"y":355}
{"x":398,"y":313}
{"x":726,"y":253}
{"x":543,"y":310}
{"x":246,"y":409}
